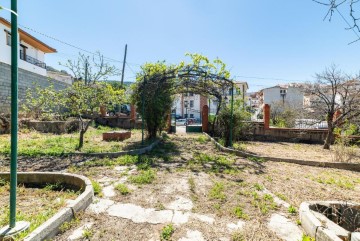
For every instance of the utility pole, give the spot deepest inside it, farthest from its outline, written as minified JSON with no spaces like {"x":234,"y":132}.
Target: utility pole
{"x":123,"y":69}
{"x":86,"y":71}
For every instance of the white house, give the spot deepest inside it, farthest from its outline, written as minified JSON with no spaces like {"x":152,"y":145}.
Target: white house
{"x":31,"y":50}
{"x":287,"y":94}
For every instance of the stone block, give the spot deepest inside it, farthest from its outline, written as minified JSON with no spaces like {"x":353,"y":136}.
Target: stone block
{"x":116,"y":135}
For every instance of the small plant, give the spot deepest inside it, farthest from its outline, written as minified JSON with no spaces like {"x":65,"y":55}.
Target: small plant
{"x":68,"y":225}
{"x":298,"y":222}
{"x":123,"y":189}
{"x":217,"y":191}
{"x":167,"y":232}
{"x":144,"y":177}
{"x":258,"y":187}
{"x":281,"y":196}
{"x":159,"y":206}
{"x":292,"y":210}
{"x":237,"y":236}
{"x":97,"y":188}
{"x":87,"y":233}
{"x":191,"y":182}
{"x":202,"y":139}
{"x":256,"y":159}
{"x":307,"y":238}
{"x":239,"y":213}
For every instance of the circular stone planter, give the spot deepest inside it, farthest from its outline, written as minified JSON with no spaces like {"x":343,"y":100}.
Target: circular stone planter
{"x":116,"y":135}
{"x":51,"y":227}
{"x":331,"y":220}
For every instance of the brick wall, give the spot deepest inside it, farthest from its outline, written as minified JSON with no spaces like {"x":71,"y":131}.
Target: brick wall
{"x":26,"y":81}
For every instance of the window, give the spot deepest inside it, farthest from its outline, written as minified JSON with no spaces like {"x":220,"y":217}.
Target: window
{"x":186,"y":116}
{"x":191,"y":104}
{"x":282,"y":92}
{"x":8,"y":38}
{"x":22,"y":52}
{"x":191,"y":115}
{"x":191,"y":94}
{"x":186,"y":103}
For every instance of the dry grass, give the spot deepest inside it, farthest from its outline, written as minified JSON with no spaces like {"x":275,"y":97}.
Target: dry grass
{"x":35,"y":205}
{"x":300,"y":151}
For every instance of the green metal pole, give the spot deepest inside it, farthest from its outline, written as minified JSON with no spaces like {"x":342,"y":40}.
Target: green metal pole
{"x":142,"y":114}
{"x":14,"y":112}
{"x":232,"y":116}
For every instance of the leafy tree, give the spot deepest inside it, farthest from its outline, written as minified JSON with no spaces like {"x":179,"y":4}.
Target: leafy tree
{"x":84,"y":100}
{"x":39,"y":102}
{"x":336,"y":96}
{"x":154,"y":87}
{"x":240,"y":115}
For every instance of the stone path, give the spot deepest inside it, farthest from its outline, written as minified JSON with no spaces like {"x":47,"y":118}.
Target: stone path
{"x":178,"y":212}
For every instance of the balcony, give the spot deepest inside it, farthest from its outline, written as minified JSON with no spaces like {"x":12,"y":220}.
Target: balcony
{"x":32,"y":60}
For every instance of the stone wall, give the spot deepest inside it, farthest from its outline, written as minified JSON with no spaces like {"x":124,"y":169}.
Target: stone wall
{"x":26,"y":81}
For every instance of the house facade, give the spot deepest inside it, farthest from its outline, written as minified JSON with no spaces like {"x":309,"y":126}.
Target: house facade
{"x":189,"y":105}
{"x":290,"y":94}
{"x":32,"y":67}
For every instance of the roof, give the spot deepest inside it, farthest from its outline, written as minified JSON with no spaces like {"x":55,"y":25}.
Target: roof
{"x":242,"y":83}
{"x":28,"y":38}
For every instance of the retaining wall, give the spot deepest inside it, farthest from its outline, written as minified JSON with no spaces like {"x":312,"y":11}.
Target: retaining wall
{"x":26,"y":81}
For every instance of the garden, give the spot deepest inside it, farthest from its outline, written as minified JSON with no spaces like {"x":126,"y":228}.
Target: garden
{"x":183,"y":188}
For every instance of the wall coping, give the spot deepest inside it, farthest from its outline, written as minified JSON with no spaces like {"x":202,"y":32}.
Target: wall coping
{"x":314,"y":227}
{"x":337,"y":165}
{"x":51,"y":227}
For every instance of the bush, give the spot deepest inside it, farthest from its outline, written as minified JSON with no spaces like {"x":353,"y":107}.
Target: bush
{"x":222,"y":129}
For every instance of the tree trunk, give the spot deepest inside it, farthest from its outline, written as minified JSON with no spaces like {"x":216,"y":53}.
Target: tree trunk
{"x":83,"y":128}
{"x":329,"y":136}
{"x":216,"y":114}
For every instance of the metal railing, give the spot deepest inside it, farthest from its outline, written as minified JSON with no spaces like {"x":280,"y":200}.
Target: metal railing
{"x":32,"y":60}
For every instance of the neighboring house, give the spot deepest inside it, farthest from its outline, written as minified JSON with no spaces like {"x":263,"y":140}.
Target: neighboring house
{"x":60,"y":76}
{"x":190,"y":105}
{"x":32,"y":67}
{"x":287,"y":94}
{"x":31,"y":50}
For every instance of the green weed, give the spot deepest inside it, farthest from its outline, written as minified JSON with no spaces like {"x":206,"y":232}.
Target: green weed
{"x":217,"y":192}
{"x":123,"y":189}
{"x":292,"y":210}
{"x":167,"y":232}
{"x":97,"y":188}
{"x":144,"y":177}
{"x":239,"y":213}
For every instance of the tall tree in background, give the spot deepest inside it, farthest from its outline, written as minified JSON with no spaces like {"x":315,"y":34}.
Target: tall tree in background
{"x":91,"y":69}
{"x":351,"y":5}
{"x":336,"y":96}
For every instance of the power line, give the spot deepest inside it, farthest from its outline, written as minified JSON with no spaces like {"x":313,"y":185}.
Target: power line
{"x":265,"y":78}
{"x":350,"y":27}
{"x":71,"y":45}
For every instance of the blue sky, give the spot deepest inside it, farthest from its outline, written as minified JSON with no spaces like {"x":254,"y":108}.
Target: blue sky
{"x":279,"y":39}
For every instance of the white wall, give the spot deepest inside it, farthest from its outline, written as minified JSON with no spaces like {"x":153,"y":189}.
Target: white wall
{"x":5,"y":54}
{"x":293,"y":95}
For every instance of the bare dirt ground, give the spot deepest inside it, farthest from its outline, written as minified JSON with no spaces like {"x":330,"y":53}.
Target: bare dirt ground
{"x":35,"y":205}
{"x":203,"y":193}
{"x":300,"y":151}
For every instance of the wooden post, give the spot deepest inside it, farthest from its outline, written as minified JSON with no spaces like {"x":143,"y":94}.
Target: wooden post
{"x":266,"y":117}
{"x":205,"y":118}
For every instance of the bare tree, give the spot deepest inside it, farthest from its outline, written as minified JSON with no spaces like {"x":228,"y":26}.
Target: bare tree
{"x":90,"y":70}
{"x":333,"y":6}
{"x":336,"y":97}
